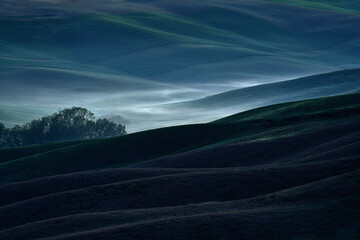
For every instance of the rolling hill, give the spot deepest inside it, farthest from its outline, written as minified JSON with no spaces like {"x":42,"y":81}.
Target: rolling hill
{"x":284,"y":171}
{"x":346,"y":6}
{"x":262,"y":157}
{"x":328,"y":84}
{"x":139,"y":44}
{"x":126,"y":57}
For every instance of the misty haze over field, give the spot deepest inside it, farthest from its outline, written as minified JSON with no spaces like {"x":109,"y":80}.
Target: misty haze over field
{"x":179,"y":119}
{"x":133,"y":58}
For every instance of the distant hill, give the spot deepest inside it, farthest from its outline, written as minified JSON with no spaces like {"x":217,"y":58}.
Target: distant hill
{"x":346,"y":6}
{"x":289,"y":168}
{"x":272,"y":121}
{"x":300,"y":109}
{"x":121,"y":52}
{"x":288,"y":163}
{"x":258,"y":45}
{"x":340,"y":82}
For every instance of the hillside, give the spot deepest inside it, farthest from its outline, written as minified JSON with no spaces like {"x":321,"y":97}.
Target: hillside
{"x":346,"y":6}
{"x":190,"y":40}
{"x":127,"y":55}
{"x":305,"y":109}
{"x":284,"y":171}
{"x":328,"y":84}
{"x":243,"y":119}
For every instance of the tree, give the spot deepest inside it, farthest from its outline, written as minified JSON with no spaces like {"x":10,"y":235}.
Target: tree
{"x":67,"y":124}
{"x":104,"y":128}
{"x":2,"y":129}
{"x":15,"y":138}
{"x":3,"y":136}
{"x":35,"y":131}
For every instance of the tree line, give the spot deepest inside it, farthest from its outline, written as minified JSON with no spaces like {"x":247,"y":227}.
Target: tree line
{"x":68,"y":124}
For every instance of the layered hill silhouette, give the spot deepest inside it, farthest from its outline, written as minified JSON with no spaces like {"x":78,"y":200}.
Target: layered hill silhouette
{"x":284,"y":171}
{"x":330,"y":5}
{"x":93,"y":53}
{"x":216,"y":42}
{"x":227,"y":103}
{"x":328,"y":84}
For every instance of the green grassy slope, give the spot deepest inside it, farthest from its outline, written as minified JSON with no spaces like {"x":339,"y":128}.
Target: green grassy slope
{"x":116,"y":152}
{"x":294,"y":166}
{"x":15,"y":153}
{"x":332,"y":220}
{"x":134,"y":148}
{"x":315,"y":202}
{"x":307,"y":109}
{"x":134,"y":194}
{"x":60,"y":183}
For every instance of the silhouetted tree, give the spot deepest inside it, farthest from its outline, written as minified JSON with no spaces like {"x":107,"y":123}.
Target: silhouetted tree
{"x":15,"y":137}
{"x":67,"y":124}
{"x":104,"y":128}
{"x":4,"y":132}
{"x":35,"y":131}
{"x":2,"y":129}
{"x":70,"y":123}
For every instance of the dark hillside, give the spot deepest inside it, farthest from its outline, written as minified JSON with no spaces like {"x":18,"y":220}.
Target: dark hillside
{"x":288,"y":171}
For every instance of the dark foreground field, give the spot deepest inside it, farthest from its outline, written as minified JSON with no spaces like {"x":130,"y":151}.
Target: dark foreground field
{"x":287,"y":171}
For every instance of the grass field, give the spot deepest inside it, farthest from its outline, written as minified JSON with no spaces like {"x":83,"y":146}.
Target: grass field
{"x":265,"y":157}
{"x":294,"y":163}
